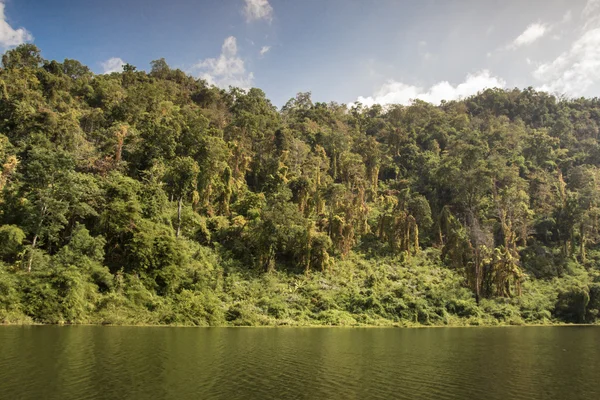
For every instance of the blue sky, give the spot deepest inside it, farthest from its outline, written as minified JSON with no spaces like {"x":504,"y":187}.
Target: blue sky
{"x":384,"y":51}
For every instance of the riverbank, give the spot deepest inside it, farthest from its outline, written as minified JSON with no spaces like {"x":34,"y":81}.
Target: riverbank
{"x":284,"y":326}
{"x":356,"y":292}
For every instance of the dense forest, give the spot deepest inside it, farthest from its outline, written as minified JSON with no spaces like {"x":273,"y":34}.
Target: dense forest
{"x":154,"y":198}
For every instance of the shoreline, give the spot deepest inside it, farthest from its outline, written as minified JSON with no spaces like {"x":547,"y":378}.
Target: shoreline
{"x":551,"y":325}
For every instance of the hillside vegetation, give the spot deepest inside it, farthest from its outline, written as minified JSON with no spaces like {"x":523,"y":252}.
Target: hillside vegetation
{"x":153,"y":198}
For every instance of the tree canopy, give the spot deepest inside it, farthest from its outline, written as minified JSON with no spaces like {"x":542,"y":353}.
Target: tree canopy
{"x":153,"y":197}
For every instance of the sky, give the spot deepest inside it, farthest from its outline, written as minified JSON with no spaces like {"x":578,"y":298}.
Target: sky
{"x":371,"y":51}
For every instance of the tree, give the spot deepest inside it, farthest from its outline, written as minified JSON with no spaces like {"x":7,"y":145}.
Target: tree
{"x":23,"y":56}
{"x":11,"y":239}
{"x":155,"y":197}
{"x":160,"y":68}
{"x":182,"y":181}
{"x":46,"y":176}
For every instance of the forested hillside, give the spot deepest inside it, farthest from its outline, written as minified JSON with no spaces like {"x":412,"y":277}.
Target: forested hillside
{"x":153,"y":198}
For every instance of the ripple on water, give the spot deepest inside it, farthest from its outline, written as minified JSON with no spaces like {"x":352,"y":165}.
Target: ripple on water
{"x":176,"y":363}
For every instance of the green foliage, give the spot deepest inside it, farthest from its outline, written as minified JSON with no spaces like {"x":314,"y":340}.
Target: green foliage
{"x":24,"y":56}
{"x":153,"y":198}
{"x":11,"y":242}
{"x":572,"y":304}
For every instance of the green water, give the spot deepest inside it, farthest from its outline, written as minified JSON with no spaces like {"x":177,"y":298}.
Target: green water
{"x":48,"y":362}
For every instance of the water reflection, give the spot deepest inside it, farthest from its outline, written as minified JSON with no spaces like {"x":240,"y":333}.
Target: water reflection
{"x":219,"y":363}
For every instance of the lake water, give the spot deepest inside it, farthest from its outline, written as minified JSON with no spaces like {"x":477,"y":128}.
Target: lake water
{"x":86,"y":362}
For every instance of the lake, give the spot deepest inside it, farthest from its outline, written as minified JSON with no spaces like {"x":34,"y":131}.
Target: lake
{"x":88,"y":362}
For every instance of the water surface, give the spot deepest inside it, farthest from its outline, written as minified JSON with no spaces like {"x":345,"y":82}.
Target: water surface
{"x":87,"y":362}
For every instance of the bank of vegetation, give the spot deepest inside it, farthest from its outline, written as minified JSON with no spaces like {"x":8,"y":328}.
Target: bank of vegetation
{"x":154,"y":198}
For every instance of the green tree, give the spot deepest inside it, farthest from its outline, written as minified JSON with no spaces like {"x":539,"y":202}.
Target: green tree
{"x":182,"y":181}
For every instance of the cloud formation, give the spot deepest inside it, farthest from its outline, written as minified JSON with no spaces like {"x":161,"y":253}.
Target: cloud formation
{"x":394,"y":92}
{"x":258,"y":9}
{"x":226,"y":70}
{"x":9,"y":36}
{"x":532,"y":33}
{"x":264,"y":50}
{"x":111,"y":65}
{"x":591,"y":13}
{"x":574,"y":71}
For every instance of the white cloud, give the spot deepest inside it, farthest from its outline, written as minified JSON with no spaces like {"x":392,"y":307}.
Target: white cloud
{"x":258,"y":9}
{"x":574,"y":71}
{"x":264,"y":50}
{"x":591,"y":13}
{"x":577,"y":69}
{"x":8,"y":35}
{"x":226,"y":70}
{"x":111,"y":65}
{"x":530,"y":35}
{"x":230,"y":46}
{"x":394,"y":92}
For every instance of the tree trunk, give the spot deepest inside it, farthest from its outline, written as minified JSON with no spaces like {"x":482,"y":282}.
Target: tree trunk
{"x":582,"y":245}
{"x":407,"y":239}
{"x":179,"y":216}
{"x":35,"y":238}
{"x":477,"y":275}
{"x":308,"y":251}
{"x":416,"y":229}
{"x":270,"y":264}
{"x":307,"y":262}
